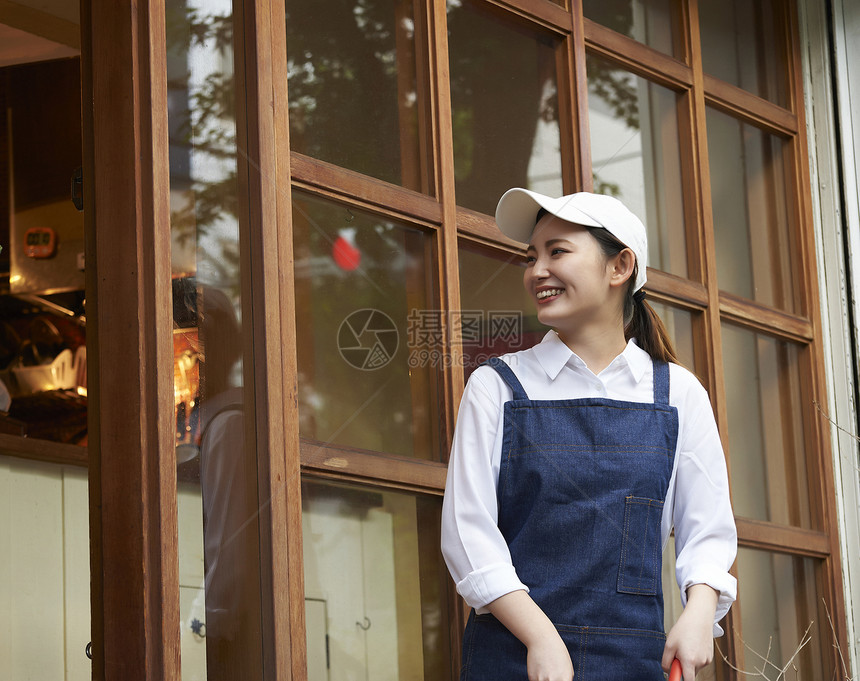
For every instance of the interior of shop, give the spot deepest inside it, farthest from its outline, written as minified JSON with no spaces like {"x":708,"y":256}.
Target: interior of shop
{"x":43,"y":327}
{"x":44,"y":528}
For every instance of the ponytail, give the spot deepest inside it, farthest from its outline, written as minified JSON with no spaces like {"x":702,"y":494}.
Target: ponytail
{"x":647,"y":328}
{"x":640,"y":320}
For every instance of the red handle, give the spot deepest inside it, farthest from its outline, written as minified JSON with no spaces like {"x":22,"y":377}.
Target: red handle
{"x":675,"y":672}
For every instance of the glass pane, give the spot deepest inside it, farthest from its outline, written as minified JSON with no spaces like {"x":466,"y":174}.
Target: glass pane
{"x":219,"y":551}
{"x":353,"y":88}
{"x":741,"y":45}
{"x":376,"y":589}
{"x":44,"y":571}
{"x":679,"y":325}
{"x":498,"y":316}
{"x":778,"y":602}
{"x":504,"y":107}
{"x":766,"y":440}
{"x":364,"y":298}
{"x":635,"y":156}
{"x":753,"y":220}
{"x":652,"y":22}
{"x":42,"y":324}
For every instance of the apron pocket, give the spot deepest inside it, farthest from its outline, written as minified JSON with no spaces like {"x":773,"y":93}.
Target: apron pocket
{"x":613,"y":654}
{"x":639,"y":569}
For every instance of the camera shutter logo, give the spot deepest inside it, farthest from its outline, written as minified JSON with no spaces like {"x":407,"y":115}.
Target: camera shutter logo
{"x":367,"y":339}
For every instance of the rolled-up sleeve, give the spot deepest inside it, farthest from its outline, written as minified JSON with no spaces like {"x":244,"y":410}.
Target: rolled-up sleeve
{"x":705,"y":532}
{"x":475,"y":552}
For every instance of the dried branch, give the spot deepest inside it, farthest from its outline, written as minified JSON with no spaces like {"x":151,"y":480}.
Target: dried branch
{"x":761,"y":673}
{"x":836,"y":643}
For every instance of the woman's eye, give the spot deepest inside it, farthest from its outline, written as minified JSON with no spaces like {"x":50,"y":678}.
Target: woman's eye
{"x":530,"y":259}
{"x":554,"y":251}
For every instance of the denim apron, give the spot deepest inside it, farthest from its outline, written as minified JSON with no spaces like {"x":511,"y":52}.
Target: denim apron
{"x":581,"y":489}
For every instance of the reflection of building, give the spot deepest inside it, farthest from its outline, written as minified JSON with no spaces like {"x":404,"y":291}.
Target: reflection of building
{"x":235,"y":151}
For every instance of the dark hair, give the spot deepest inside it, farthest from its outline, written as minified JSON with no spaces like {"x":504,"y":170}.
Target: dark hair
{"x":640,"y":320}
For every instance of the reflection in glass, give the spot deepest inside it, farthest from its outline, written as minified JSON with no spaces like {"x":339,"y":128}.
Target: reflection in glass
{"x":375,"y":585}
{"x":651,"y":22}
{"x":635,"y":156}
{"x":753,"y":223}
{"x":370,"y":342}
{"x":766,"y":433}
{"x":504,"y":104}
{"x":353,"y":88}
{"x":778,"y":601}
{"x":220,"y":600}
{"x":498,"y":316}
{"x":741,"y":45}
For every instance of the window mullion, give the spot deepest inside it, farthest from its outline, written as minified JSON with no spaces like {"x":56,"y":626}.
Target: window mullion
{"x":575,"y":46}
{"x":264,"y":137}
{"x":707,"y":265}
{"x":446,"y":241}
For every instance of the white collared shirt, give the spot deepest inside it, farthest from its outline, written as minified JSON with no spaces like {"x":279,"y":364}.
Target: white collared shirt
{"x":697,"y":503}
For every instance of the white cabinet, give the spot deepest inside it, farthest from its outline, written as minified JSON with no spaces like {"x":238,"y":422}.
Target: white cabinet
{"x":349,"y":568}
{"x":44,"y":571}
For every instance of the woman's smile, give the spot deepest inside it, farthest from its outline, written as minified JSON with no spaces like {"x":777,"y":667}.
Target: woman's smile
{"x":547,"y":294}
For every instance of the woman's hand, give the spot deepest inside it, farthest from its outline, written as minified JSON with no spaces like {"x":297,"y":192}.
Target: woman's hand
{"x":548,"y":658}
{"x":691,"y":640}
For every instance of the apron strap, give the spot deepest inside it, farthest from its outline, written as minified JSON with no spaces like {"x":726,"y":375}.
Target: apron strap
{"x":508,"y":377}
{"x":661,"y":382}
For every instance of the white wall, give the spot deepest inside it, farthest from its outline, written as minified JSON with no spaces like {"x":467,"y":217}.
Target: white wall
{"x":832,"y":116}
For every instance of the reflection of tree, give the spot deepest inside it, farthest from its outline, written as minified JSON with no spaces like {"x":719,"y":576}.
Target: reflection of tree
{"x":614,"y":14}
{"x":352,"y":98}
{"x":601,"y":186}
{"x":502,"y":83}
{"x":347,"y":104}
{"x":496,"y":101}
{"x":202,"y":120}
{"x":617,"y":90}
{"x":345,"y":95}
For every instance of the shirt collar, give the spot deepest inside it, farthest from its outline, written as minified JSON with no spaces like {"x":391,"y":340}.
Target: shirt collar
{"x":553,"y":355}
{"x":638,"y":361}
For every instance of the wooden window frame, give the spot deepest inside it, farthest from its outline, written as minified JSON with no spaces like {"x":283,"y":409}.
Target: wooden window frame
{"x":130,"y":455}
{"x":684,"y":75}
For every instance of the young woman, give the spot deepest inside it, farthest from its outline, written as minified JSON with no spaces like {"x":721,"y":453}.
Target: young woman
{"x":573,"y":460}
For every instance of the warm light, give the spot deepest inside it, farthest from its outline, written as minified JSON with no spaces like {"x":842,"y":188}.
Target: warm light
{"x":15,"y":278}
{"x":82,"y":391}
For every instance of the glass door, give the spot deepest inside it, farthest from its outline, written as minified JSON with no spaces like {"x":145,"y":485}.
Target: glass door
{"x":44,"y":524}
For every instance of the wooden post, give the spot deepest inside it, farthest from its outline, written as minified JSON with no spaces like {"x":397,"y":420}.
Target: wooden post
{"x":135,"y":588}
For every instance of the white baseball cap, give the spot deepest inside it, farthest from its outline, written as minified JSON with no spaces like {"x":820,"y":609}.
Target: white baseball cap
{"x":518,"y":208}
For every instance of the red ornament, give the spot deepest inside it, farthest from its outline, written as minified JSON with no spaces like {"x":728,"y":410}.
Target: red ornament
{"x":345,"y":254}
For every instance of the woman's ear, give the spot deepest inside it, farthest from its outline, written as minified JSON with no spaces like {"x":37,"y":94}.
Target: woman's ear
{"x":621,"y":268}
